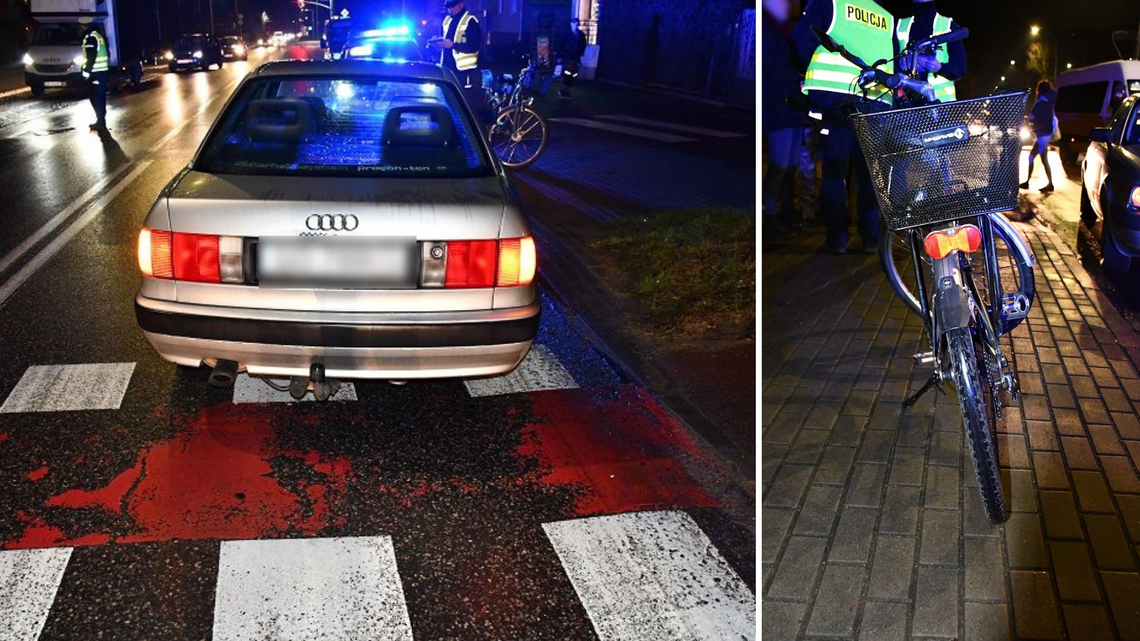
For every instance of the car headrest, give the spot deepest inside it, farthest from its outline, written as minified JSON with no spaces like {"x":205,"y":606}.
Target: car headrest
{"x":278,"y":120}
{"x":419,"y":126}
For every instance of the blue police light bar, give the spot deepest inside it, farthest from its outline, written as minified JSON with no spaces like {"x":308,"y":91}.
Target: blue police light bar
{"x":391,"y":31}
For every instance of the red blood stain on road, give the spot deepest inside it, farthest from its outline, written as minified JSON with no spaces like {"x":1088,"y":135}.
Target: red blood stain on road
{"x":625,"y":453}
{"x":38,"y":473}
{"x":109,"y":498}
{"x":226,"y":476}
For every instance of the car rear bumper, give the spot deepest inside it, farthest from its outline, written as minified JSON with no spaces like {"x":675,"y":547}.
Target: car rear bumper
{"x":383,"y":346}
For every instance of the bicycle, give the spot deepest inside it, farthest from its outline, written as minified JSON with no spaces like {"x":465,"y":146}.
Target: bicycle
{"x":943,"y":172}
{"x":519,"y":133}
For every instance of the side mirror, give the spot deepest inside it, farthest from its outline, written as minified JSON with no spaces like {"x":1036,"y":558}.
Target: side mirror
{"x":1100,"y":134}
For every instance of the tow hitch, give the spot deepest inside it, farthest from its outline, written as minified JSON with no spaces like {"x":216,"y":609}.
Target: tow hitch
{"x":323,"y":388}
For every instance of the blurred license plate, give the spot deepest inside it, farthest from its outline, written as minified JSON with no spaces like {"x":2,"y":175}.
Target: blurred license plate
{"x":337,"y":263}
{"x":55,"y":83}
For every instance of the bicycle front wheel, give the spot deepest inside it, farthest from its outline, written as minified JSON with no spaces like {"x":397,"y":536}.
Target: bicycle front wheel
{"x":518,"y":136}
{"x":974,"y":397}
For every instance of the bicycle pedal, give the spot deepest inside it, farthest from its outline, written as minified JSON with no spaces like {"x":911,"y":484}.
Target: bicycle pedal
{"x":1015,"y":306}
{"x":924,"y":358}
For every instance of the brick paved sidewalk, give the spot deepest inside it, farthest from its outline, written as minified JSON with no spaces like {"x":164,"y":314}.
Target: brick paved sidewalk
{"x":872,"y":528}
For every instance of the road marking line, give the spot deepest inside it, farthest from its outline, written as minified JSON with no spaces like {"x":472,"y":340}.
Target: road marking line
{"x":539,"y":371}
{"x":715,"y":133}
{"x":45,"y":254}
{"x":254,"y":390}
{"x":632,"y":131}
{"x":55,"y":221}
{"x":65,"y":388}
{"x":29,"y":580}
{"x":342,"y":588}
{"x":652,"y":575}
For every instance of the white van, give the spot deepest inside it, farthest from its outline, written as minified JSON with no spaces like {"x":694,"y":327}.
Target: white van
{"x":1086,"y":98}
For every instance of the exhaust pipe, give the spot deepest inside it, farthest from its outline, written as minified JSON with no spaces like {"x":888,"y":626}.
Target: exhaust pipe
{"x":224,"y":373}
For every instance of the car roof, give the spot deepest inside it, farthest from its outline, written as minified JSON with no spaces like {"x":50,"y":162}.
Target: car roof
{"x":354,"y":67}
{"x":1113,"y":69}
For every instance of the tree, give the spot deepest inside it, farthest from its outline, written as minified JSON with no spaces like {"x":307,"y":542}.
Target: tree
{"x":1039,"y":57}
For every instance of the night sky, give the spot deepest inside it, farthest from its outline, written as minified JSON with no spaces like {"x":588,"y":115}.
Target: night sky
{"x":999,"y":32}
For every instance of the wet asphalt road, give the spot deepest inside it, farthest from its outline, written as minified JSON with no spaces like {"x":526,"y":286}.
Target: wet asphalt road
{"x":135,"y":510}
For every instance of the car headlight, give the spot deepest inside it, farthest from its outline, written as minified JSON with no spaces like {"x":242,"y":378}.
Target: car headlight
{"x":28,"y":59}
{"x":238,"y":49}
{"x":198,"y":54}
{"x":79,"y":60}
{"x":1134,"y":198}
{"x":169,"y":55}
{"x":1026,"y":134}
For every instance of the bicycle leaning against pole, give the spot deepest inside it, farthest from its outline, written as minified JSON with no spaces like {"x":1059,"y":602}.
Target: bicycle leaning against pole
{"x":943,"y":172}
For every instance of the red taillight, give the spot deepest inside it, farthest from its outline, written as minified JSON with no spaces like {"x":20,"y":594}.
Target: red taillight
{"x":471,"y":263}
{"x":509,"y":262}
{"x":966,"y":238}
{"x":196,"y":258}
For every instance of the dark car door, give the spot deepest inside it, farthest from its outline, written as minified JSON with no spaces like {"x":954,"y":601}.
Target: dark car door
{"x":1102,"y":156}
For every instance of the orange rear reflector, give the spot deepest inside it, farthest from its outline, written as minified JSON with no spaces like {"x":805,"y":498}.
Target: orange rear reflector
{"x":966,"y":238}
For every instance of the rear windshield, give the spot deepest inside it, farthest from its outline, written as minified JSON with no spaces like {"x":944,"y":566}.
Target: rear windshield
{"x":233,"y":40}
{"x":345,"y":127}
{"x":58,"y":34}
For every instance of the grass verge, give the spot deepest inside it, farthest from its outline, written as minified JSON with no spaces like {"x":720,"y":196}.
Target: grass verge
{"x":692,"y":271}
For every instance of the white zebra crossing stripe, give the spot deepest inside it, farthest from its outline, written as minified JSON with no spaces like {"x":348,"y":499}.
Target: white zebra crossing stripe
{"x":714,"y":133}
{"x":29,"y":580}
{"x":539,"y":371}
{"x":653,"y":575}
{"x":631,"y":131}
{"x":60,"y":388}
{"x":255,"y":390}
{"x":345,"y":588}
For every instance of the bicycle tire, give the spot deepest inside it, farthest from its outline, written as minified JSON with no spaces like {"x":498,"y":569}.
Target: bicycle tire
{"x":1003,"y":229}
{"x":977,"y":419}
{"x":509,"y":160}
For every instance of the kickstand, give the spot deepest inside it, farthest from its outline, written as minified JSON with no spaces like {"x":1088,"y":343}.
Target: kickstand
{"x":933,"y":382}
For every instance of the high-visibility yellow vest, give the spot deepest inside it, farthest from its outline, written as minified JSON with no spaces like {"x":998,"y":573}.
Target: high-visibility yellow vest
{"x":864,"y":29}
{"x":943,"y":88}
{"x":463,"y":61}
{"x":102,"y":59}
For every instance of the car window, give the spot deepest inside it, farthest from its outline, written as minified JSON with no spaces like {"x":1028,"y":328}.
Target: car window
{"x":1120,"y":119}
{"x":345,"y":127}
{"x":189,"y":43}
{"x":58,"y":34}
{"x":1131,"y":122}
{"x":1082,"y":98}
{"x":1134,"y":85}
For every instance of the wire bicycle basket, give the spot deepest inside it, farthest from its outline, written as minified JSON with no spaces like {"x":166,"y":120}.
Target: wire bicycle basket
{"x":941,"y":162}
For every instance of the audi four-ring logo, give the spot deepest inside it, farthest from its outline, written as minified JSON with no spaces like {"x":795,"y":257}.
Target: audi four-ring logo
{"x":332,"y":222}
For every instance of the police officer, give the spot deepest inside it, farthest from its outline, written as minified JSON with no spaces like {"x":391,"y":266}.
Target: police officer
{"x":95,"y":71}
{"x":948,"y":64}
{"x":460,"y":41}
{"x":866,"y":30}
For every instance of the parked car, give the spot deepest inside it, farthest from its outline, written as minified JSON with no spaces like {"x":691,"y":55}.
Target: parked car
{"x":233,"y":48}
{"x":1110,"y":185}
{"x":342,"y":219}
{"x":195,"y":51}
{"x":1088,"y":97}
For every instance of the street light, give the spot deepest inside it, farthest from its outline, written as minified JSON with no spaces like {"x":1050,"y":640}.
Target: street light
{"x":1069,"y":66}
{"x":1003,"y":78}
{"x":1012,"y":63}
{"x":1034,"y":30}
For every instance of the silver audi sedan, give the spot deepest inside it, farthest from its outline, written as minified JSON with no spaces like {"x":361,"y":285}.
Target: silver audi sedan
{"x":341,"y":220}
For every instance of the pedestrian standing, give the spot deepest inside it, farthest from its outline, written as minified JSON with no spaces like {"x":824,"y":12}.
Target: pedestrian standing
{"x":95,"y":67}
{"x":782,"y":118}
{"x":573,"y":47}
{"x":1041,"y":119}
{"x":866,"y":30}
